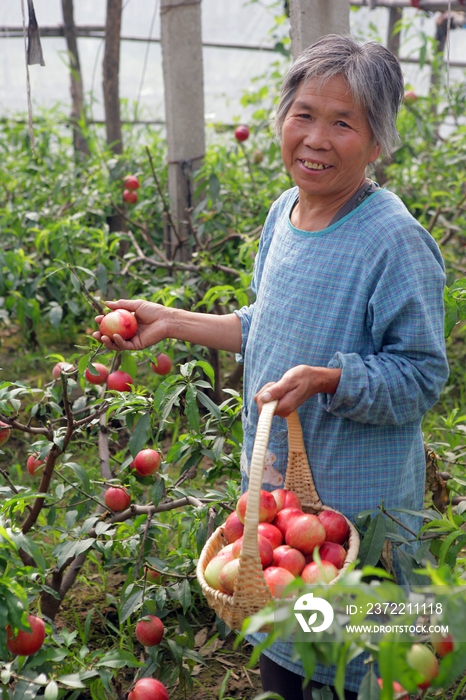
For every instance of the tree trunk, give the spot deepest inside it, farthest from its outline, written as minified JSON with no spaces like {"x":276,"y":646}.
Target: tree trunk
{"x":81,"y":147}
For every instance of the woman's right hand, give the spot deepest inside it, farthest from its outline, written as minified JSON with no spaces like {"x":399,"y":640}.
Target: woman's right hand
{"x":152,"y":324}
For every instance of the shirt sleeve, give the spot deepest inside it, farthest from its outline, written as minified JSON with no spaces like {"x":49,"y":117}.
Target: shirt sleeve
{"x":402,"y":379}
{"x":245,"y":316}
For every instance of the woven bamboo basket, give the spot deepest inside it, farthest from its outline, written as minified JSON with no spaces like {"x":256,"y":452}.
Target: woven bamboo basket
{"x":251,"y":591}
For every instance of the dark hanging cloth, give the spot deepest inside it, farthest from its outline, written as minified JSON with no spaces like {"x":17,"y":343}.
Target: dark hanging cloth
{"x":34,"y":49}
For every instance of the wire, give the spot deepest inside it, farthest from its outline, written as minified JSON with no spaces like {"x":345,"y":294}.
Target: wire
{"x":94,"y":70}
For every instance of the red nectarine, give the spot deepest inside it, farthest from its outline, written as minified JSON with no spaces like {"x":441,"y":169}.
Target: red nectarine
{"x":149,"y":631}
{"x":97,"y":378}
{"x":5,"y":431}
{"x":120,"y":322}
{"x":27,"y":643}
{"x":267,"y":507}
{"x":277,"y":579}
{"x":117,"y":498}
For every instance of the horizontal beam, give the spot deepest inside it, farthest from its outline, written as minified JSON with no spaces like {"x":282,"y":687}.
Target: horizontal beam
{"x":99,"y":122}
{"x":15,"y":32}
{"x":426,"y":5}
{"x":98,"y":32}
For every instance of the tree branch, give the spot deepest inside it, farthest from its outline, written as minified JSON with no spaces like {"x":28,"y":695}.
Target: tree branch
{"x":165,"y":205}
{"x":13,"y":423}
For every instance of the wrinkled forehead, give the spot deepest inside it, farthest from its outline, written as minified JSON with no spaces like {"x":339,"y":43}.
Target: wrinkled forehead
{"x":335,"y":89}
{"x":320,"y":83}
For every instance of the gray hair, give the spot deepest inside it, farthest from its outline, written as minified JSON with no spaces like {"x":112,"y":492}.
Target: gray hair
{"x":374,"y":79}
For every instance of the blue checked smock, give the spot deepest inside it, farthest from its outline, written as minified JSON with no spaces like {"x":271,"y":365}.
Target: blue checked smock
{"x":365,"y":295}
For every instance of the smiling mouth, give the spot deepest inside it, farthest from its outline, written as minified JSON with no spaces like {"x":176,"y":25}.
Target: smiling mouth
{"x":314,"y":166}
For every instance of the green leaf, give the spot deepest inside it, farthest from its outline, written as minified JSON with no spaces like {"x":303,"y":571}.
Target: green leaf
{"x":452,"y":668}
{"x":72,"y":680}
{"x":106,"y":676}
{"x":192,"y":410}
{"x":207,"y":369}
{"x":97,"y":687}
{"x":447,"y":543}
{"x":422,"y":55}
{"x":56,"y":315}
{"x":82,"y":475}
{"x":101,"y":274}
{"x":70,"y":550}
{"x":75,"y":282}
{"x":128,"y":364}
{"x":25,"y":691}
{"x":118,"y":658}
{"x":222,"y":628}
{"x":237,"y":432}
{"x":70,"y":518}
{"x":176,"y":651}
{"x":451,"y":313}
{"x":369,"y":688}
{"x":187,"y":369}
{"x":91,"y":369}
{"x":34,"y":550}
{"x":409,"y":565}
{"x":307,"y":656}
{"x":140,"y":434}
{"x":209,"y":404}
{"x":51,"y":691}
{"x":214,"y":187}
{"x":323,"y":693}
{"x":184,"y":595}
{"x":223,"y":687}
{"x":160,"y":597}
{"x":131,"y":604}
{"x":173,"y":394}
{"x":83,"y":363}
{"x":157,"y":491}
{"x":372,"y":542}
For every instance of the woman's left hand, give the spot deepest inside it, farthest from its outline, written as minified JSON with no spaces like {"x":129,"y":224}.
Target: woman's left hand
{"x":297,"y":385}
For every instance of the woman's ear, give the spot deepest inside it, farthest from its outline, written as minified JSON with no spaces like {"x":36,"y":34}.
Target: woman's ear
{"x":375,"y":153}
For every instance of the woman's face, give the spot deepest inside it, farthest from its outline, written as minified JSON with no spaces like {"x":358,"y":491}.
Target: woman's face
{"x":327,"y":141}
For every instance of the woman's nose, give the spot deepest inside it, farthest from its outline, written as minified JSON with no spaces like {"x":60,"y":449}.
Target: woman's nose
{"x":317,"y":136}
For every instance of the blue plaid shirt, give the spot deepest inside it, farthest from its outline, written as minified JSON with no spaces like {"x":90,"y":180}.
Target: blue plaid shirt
{"x":364,"y":295}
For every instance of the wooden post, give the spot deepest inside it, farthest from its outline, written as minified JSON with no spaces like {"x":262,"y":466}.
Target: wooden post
{"x":111,"y":75}
{"x":111,"y":89}
{"x":184,"y":109}
{"x":76,"y":84}
{"x":393,"y":40}
{"x":311,"y":19}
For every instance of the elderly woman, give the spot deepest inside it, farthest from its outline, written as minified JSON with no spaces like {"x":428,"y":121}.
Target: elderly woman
{"x":347,"y":326}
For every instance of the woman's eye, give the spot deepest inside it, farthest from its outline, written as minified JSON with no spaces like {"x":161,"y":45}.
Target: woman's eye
{"x":340,"y":123}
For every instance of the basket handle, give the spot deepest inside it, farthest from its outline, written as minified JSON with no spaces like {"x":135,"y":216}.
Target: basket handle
{"x":299,"y":476}
{"x":298,"y":471}
{"x":251,"y":590}
{"x":251,"y":520}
